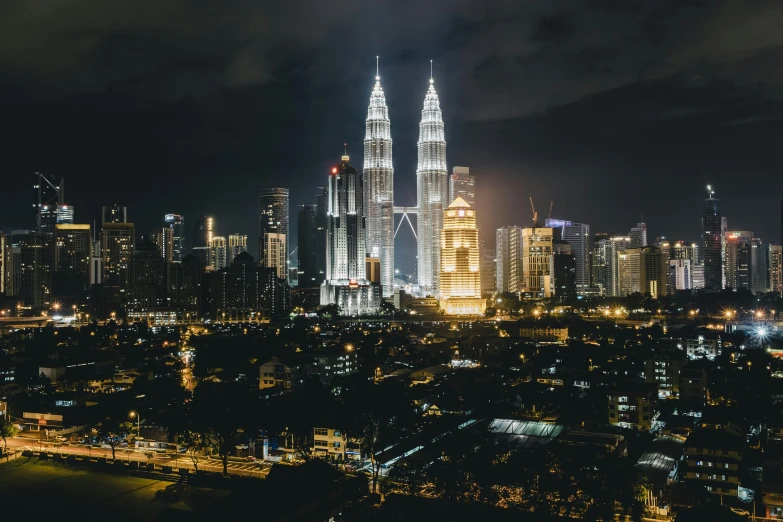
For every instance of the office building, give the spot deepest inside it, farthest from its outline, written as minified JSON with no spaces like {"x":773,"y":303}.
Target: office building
{"x":733,"y":242}
{"x":52,"y":215}
{"x":346,"y":283}
{"x":237,"y":243}
{"x":50,"y":192}
{"x":680,"y":274}
{"x":147,"y":288}
{"x":606,"y":260}
{"x":177,"y":225}
{"x":774,"y":264}
{"x":114,"y":214}
{"x":628,"y":271}
{"x":641,"y":270}
{"x":578,"y":236}
{"x":711,"y":224}
{"x":488,"y":270}
{"x":30,"y":269}
{"x":118,"y":243}
{"x":4,"y":251}
{"x":202,"y":240}
{"x":537,"y":262}
{"x":321,"y":213}
{"x":307,"y":242}
{"x":275,"y":247}
{"x":373,"y":270}
{"x":563,"y":271}
{"x":508,"y":256}
{"x":273,"y":218}
{"x":73,"y":252}
{"x":378,"y":180}
{"x":460,"y":274}
{"x":462,"y":184}
{"x":432,"y":192}
{"x":219,"y":253}
{"x":164,"y":239}
{"x":638,"y":235}
{"x":183,"y":285}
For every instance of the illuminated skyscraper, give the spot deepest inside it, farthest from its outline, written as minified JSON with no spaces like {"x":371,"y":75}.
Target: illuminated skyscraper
{"x":462,"y":184}
{"x":273,"y":217}
{"x":638,"y":235}
{"x":118,"y":244}
{"x":219,"y":253}
{"x":237,"y":243}
{"x":52,"y":215}
{"x":378,"y":177}
{"x":508,"y":259}
{"x":460,"y":272}
{"x":72,"y":253}
{"x":202,"y":241}
{"x":114,"y":214}
{"x":275,"y":246}
{"x":711,"y":242}
{"x":774,"y":268}
{"x":432,"y":189}
{"x":164,"y":239}
{"x":578,"y":236}
{"x":537,"y":261}
{"x":177,"y":225}
{"x":346,"y":284}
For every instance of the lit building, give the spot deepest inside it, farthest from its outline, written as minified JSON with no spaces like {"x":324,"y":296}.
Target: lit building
{"x":774,"y":263}
{"x":177,"y":225}
{"x":30,"y":269}
{"x":147,"y":278}
{"x":462,"y":184}
{"x":563,"y":271}
{"x":488,"y":270}
{"x":373,"y":269}
{"x":273,"y":218}
{"x":237,"y":243}
{"x":4,"y":251}
{"x":641,"y":270}
{"x":307,"y":243}
{"x":164,"y":239}
{"x":183,"y":284}
{"x":638,"y":235}
{"x":711,"y":235}
{"x":118,"y":242}
{"x":202,"y":240}
{"x":628,"y":266}
{"x":537,"y":262}
{"x":633,"y":406}
{"x":114,"y":214}
{"x":336,"y":363}
{"x":606,"y":258}
{"x":460,"y":273}
{"x":733,"y":243}
{"x":346,"y":284}
{"x":218,"y":252}
{"x":378,"y":174}
{"x":508,"y":259}
{"x":697,"y":272}
{"x":680,"y":274}
{"x":432,"y":191}
{"x":713,"y":460}
{"x":578,"y":236}
{"x":275,"y":252}
{"x":72,"y":254}
{"x":52,"y":215}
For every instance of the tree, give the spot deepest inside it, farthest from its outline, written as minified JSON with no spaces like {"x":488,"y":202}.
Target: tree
{"x":7,"y":429}
{"x":113,"y":432}
{"x":194,"y":445}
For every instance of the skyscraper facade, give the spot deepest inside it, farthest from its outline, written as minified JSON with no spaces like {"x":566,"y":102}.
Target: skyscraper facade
{"x":734,"y":255}
{"x":378,"y":178}
{"x":321,"y":212}
{"x":537,"y":261}
{"x":346,"y":283}
{"x":508,"y":259}
{"x":201,"y":242}
{"x":164,"y":239}
{"x":711,"y":242}
{"x":219,"y":252}
{"x":273,"y":217}
{"x":638,"y":235}
{"x":563,"y":270}
{"x":31,"y":268}
{"x":460,"y":272}
{"x":774,"y":265}
{"x":578,"y":236}
{"x":237,"y":243}
{"x":462,"y":185}
{"x":432,"y":191}
{"x":118,"y":244}
{"x":114,"y":214}
{"x":52,"y":215}
{"x":306,"y":231}
{"x":275,"y":247}
{"x":72,"y":253}
{"x":177,"y":225}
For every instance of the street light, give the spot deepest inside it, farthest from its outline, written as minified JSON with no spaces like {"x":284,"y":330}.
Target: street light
{"x":138,"y":423}
{"x":349,"y":347}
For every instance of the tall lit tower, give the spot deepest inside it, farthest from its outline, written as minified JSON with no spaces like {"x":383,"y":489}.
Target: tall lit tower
{"x":460,"y":274}
{"x":711,"y":242}
{"x":378,"y":177}
{"x":432,"y":187}
{"x":272,"y":219}
{"x":177,"y":225}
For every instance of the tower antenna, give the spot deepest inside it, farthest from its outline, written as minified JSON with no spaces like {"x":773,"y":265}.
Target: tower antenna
{"x":431,"y":79}
{"x":377,"y":67}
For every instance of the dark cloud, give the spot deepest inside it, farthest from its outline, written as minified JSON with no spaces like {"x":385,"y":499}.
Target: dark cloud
{"x":191,"y":105}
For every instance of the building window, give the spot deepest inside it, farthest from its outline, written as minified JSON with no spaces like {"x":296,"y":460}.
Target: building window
{"x":323,"y":432}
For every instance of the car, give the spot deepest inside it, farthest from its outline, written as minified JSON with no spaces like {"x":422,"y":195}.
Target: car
{"x":60,"y":438}
{"x":739,"y":511}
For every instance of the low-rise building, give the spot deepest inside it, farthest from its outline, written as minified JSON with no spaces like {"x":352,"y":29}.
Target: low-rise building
{"x":663,"y":370}
{"x":633,"y":406}
{"x":285,"y":374}
{"x":703,"y":346}
{"x":693,"y":385}
{"x":334,"y":444}
{"x":713,"y":459}
{"x":548,"y":333}
{"x":336,"y":364}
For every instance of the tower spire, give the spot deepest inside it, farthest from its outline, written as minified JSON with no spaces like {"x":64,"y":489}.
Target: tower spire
{"x":345,"y":152}
{"x":432,"y":80}
{"x":377,"y":68}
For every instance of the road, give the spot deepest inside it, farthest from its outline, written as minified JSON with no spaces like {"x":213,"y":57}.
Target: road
{"x":254,"y":469}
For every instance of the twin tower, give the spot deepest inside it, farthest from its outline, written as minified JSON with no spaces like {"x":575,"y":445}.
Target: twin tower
{"x":432,"y":189}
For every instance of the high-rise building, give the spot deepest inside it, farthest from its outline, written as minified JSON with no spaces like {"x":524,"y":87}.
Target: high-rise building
{"x":114,"y":214}
{"x":72,"y":254}
{"x":652,"y":272}
{"x":758,"y":267}
{"x":237,"y":243}
{"x":711,"y":242}
{"x":733,"y":242}
{"x":52,"y":215}
{"x":346,"y":284}
{"x":508,"y":259}
{"x":462,"y":184}
{"x":219,"y":253}
{"x":378,"y":174}
{"x":432,"y":191}
{"x":164,"y":239}
{"x":118,"y":244}
{"x":306,"y":237}
{"x":202,"y":239}
{"x":30,"y":276}
{"x":147,"y":277}
{"x":563,"y":271}
{"x":488,"y":270}
{"x":774,"y":268}
{"x":606,"y":260}
{"x":537,"y":262}
{"x":273,"y":218}
{"x":638,"y":235}
{"x":321,"y":213}
{"x":680,"y":274}
{"x":177,"y":225}
{"x":275,"y":246}
{"x":578,"y":236}
{"x":50,"y":191}
{"x":4,"y":251}
{"x":628,"y":271}
{"x":373,"y":269}
{"x":460,"y":272}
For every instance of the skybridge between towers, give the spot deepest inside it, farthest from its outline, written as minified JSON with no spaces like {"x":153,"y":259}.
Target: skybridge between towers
{"x":405,"y":211}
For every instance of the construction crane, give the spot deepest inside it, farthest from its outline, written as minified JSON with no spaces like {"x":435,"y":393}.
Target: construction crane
{"x":551,"y":203}
{"x":535,"y":214}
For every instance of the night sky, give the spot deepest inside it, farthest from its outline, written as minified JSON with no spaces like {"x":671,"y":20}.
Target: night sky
{"x":613,"y":109}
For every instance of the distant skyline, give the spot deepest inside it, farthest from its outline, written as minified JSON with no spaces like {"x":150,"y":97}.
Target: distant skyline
{"x":613,"y":111}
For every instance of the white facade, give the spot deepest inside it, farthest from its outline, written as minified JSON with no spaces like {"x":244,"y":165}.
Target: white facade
{"x":432,"y":191}
{"x":378,"y":177}
{"x":275,"y":251}
{"x":681,"y":276}
{"x":508,"y":259}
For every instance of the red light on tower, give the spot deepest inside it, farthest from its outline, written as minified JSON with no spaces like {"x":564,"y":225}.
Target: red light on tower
{"x":334,"y":170}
